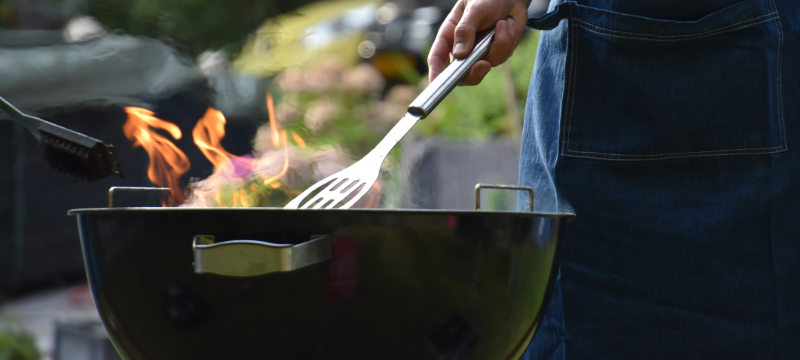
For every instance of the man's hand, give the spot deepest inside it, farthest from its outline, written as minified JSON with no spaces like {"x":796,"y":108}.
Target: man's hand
{"x":457,"y":34}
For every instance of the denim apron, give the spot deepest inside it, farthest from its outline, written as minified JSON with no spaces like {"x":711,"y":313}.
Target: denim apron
{"x":670,"y":128}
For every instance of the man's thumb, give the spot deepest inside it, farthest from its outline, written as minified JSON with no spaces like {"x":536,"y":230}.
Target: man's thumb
{"x":464,"y":35}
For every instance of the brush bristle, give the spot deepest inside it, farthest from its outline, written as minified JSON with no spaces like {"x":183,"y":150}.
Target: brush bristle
{"x":78,"y":160}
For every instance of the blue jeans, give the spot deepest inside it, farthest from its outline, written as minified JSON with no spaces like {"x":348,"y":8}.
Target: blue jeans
{"x":666,"y":127}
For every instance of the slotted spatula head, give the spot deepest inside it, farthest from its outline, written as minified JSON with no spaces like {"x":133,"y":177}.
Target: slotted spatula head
{"x":345,"y":188}
{"x":341,"y":190}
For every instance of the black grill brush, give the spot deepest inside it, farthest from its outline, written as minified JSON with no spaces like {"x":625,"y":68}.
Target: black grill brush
{"x":69,"y":151}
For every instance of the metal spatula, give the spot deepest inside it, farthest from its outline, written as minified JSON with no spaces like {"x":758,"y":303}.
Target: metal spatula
{"x":359,"y":177}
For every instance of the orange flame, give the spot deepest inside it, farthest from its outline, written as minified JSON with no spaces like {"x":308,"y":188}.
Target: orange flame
{"x":273,"y":121}
{"x":239,"y":170}
{"x":275,"y":129}
{"x":208,"y":132}
{"x":271,"y":179}
{"x":167,"y":162}
{"x":373,"y":196}
{"x":237,"y":181}
{"x":298,"y":140}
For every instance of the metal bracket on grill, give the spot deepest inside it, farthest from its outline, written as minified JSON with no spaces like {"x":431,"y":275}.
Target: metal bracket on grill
{"x":245,"y":258}
{"x":115,"y":189}
{"x":478,"y":188}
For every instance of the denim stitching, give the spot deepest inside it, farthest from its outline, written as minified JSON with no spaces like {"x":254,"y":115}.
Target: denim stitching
{"x":622,"y":157}
{"x":673,"y":40}
{"x":667,"y":154}
{"x":688,"y":36}
{"x":780,"y":74}
{"x":573,"y":43}
{"x":567,"y":87}
{"x":688,"y":155}
{"x":780,"y":119}
{"x":574,"y":77}
{"x":774,"y":8}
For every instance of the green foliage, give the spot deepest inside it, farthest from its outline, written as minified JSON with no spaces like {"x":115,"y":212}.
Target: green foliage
{"x":17,"y":344}
{"x":350,"y":127}
{"x":475,"y":112}
{"x":196,"y":25}
{"x":498,"y":200}
{"x":326,"y":109}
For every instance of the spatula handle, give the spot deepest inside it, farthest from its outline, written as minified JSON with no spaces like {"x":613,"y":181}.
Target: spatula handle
{"x":450,"y":77}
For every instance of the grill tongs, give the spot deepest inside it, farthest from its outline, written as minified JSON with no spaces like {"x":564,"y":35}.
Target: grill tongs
{"x":359,"y":177}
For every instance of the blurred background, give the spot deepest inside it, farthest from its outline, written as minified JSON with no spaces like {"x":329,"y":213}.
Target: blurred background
{"x":229,"y":103}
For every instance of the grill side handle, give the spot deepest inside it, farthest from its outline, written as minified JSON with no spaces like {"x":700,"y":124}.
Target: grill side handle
{"x":118,"y":189}
{"x":245,"y":258}
{"x":478,"y":188}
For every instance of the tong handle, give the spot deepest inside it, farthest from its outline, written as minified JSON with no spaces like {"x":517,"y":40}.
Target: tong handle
{"x":450,"y":77}
{"x":29,"y":122}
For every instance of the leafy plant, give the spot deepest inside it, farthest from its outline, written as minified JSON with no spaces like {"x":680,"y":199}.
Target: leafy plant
{"x":16,"y":343}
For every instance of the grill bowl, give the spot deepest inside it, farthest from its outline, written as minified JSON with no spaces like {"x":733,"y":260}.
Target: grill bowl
{"x":399,"y":284}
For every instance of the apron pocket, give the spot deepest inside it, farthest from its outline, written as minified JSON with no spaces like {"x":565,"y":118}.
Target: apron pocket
{"x":639,"y":88}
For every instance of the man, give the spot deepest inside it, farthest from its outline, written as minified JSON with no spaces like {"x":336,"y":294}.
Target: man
{"x":668,"y":126}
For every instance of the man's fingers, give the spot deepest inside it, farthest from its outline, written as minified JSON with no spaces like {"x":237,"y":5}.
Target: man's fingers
{"x":508,"y":34}
{"x":464,"y":38}
{"x":520,"y":19}
{"x":443,"y":44}
{"x":456,"y":37}
{"x":464,"y":35}
{"x":504,"y":42}
{"x":476,"y":73}
{"x":440,"y":53}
